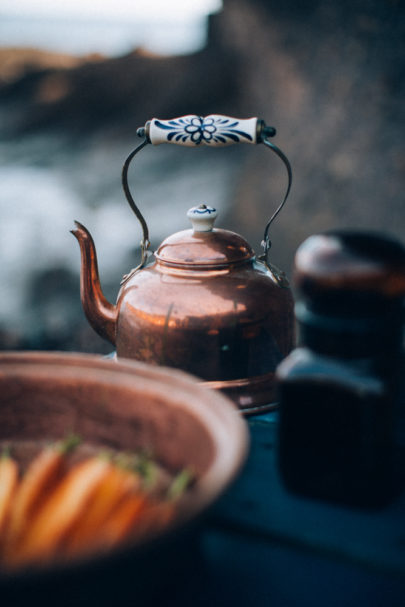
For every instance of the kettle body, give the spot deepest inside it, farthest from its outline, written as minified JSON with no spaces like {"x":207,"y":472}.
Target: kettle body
{"x":220,"y":324}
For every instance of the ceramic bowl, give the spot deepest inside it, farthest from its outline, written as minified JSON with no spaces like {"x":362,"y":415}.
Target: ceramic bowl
{"x":122,"y":405}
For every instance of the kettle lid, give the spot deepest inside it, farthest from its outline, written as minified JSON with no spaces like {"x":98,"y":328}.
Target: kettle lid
{"x":203,"y":246}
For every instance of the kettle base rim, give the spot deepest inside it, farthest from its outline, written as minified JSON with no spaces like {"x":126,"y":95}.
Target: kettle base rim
{"x":251,"y":395}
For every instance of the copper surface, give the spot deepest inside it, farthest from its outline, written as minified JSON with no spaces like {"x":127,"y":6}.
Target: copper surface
{"x":101,"y":314}
{"x":215,"y":249}
{"x":206,"y":306}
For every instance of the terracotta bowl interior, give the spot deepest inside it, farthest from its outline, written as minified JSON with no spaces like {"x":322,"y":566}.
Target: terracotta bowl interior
{"x":126,"y":406}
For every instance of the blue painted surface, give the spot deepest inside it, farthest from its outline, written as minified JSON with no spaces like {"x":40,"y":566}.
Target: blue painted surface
{"x":259,"y":503}
{"x":265,"y":547}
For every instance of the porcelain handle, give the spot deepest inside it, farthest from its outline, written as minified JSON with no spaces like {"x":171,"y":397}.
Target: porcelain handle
{"x":214,"y":130}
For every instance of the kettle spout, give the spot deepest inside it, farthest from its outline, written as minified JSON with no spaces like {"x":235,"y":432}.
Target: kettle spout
{"x":100,"y":313}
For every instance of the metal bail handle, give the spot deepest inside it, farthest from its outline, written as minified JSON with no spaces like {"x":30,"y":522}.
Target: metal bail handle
{"x":214,"y":130}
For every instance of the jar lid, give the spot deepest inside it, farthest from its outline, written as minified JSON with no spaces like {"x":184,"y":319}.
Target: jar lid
{"x":349,"y":261}
{"x":203,"y":246}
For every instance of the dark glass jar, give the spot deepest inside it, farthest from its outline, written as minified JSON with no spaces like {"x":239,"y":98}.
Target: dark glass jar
{"x":338,"y":391}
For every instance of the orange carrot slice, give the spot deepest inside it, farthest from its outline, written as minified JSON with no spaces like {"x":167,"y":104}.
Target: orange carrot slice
{"x":59,"y":513}
{"x":112,"y":491}
{"x":121,"y":521}
{"x":8,"y":485}
{"x":40,"y":476}
{"x":136,"y":518}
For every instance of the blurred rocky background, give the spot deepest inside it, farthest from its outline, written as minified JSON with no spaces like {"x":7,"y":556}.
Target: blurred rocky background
{"x":327,"y":74}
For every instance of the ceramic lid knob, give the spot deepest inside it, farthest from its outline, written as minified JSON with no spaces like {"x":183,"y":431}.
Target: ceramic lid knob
{"x":202,"y":218}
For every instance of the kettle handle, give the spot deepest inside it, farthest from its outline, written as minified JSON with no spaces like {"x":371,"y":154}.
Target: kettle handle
{"x":214,"y":130}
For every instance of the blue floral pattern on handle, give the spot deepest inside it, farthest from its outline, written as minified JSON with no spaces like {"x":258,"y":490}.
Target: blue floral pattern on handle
{"x":197,"y":130}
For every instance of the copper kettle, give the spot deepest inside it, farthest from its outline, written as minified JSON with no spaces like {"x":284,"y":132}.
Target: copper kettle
{"x":207,"y":304}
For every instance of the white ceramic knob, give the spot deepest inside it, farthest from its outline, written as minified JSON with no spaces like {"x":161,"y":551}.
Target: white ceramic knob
{"x":202,"y":218}
{"x":214,"y":130}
